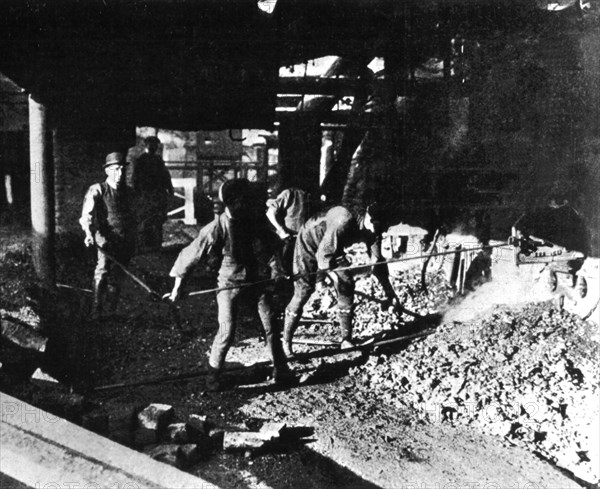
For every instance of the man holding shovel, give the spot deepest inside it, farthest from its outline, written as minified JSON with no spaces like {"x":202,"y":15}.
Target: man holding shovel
{"x":245,"y":244}
{"x":108,"y":222}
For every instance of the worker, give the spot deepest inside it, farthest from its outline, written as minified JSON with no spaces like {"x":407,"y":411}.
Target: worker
{"x":152,"y":185}
{"x":287,"y":212}
{"x":247,"y":246}
{"x":108,"y":222}
{"x":320,"y":249}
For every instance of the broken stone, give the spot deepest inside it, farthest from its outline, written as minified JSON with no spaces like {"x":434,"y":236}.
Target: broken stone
{"x":40,"y":377}
{"x":197,"y":425}
{"x":166,"y":453}
{"x":273,"y":429}
{"x":155,"y":417}
{"x":315,"y":374}
{"x":187,"y":455}
{"x":216,"y":438}
{"x":245,"y":440}
{"x":177,"y":433}
{"x":22,"y":335}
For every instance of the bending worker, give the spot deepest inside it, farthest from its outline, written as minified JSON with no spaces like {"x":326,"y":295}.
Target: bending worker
{"x":245,"y":244}
{"x":287,"y":213}
{"x":108,"y":222}
{"x":320,"y":248}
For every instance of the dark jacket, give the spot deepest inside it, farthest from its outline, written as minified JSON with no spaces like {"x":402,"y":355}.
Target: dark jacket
{"x":107,"y":213}
{"x":328,"y":233}
{"x":247,"y":249}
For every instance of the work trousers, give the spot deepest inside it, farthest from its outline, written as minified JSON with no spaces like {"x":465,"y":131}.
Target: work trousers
{"x":287,"y":254}
{"x":122,"y":249}
{"x":305,"y":265}
{"x":228,"y":302}
{"x":108,"y":276}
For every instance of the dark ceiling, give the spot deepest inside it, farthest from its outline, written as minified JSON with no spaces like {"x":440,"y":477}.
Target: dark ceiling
{"x":189,"y":64}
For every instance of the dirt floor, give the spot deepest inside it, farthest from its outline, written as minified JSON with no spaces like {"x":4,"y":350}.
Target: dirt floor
{"x":353,"y":437}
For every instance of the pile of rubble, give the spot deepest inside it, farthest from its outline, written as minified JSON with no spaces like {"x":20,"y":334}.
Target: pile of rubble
{"x":370,"y":316}
{"x":530,"y":376}
{"x":156,"y":431}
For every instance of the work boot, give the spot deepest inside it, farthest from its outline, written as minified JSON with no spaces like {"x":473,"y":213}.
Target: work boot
{"x":213,"y":382}
{"x":345,"y":319}
{"x":99,"y":297}
{"x":289,"y":328}
{"x":283,"y":375}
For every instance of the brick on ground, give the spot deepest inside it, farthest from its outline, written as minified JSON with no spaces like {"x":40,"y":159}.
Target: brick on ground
{"x":156,"y":416}
{"x":177,"y":433}
{"x":246,"y":440}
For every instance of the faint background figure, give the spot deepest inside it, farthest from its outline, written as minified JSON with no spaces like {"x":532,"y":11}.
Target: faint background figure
{"x":152,"y":185}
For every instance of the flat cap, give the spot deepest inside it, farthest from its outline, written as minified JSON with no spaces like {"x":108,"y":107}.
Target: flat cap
{"x":114,"y":159}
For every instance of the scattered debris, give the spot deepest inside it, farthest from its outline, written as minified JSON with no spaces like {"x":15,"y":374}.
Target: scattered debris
{"x":246,"y":440}
{"x":40,"y":376}
{"x":273,"y":429}
{"x":155,"y":417}
{"x":177,"y":433}
{"x":22,"y":335}
{"x":188,"y":455}
{"x":314,"y":374}
{"x":166,"y":453}
{"x":536,"y":385}
{"x":197,"y":425}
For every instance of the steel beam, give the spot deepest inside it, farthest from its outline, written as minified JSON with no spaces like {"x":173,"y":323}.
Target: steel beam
{"x":319,"y":85}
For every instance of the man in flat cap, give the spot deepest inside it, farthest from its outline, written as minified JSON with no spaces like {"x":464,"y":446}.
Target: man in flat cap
{"x":108,"y":222}
{"x":152,"y":185}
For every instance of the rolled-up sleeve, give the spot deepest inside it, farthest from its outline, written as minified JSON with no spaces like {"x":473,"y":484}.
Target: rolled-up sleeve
{"x":208,"y":237}
{"x":338,"y":223}
{"x":88,"y":212}
{"x":280,"y":203}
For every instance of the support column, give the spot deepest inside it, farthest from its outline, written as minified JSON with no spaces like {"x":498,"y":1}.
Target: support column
{"x":262,"y":157}
{"x":42,"y":195}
